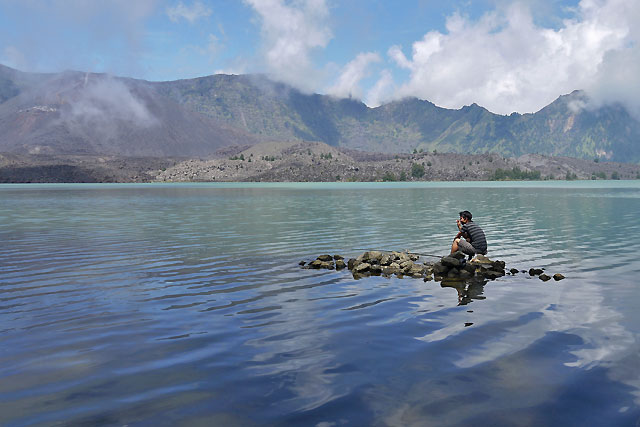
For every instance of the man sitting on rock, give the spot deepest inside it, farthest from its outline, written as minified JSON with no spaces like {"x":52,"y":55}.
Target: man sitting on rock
{"x":474,"y":241}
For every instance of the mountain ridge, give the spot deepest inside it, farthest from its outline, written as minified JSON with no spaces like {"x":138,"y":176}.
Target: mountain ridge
{"x":195,"y":117}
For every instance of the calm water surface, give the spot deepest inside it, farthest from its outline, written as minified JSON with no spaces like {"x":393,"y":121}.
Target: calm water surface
{"x":185,"y":305}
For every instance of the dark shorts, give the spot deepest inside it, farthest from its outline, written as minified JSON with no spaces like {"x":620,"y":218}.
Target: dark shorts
{"x":468,"y":248}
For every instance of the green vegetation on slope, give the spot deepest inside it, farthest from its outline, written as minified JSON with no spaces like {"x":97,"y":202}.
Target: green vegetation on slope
{"x":515,"y":174}
{"x":274,"y":111}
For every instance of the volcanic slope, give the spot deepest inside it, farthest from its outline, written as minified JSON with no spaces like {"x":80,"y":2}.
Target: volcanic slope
{"x":81,"y":113}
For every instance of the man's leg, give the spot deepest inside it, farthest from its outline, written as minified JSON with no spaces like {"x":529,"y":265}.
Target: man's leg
{"x":464,"y":246}
{"x":454,"y":246}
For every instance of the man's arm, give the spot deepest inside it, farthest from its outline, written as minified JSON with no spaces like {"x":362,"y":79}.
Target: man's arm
{"x":460,"y":233}
{"x":463,"y":231}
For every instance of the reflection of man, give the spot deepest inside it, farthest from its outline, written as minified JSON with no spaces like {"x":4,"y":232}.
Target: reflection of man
{"x":468,"y":290}
{"x":474,"y":241}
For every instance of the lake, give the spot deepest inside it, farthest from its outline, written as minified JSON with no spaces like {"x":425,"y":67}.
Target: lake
{"x":185,"y":305}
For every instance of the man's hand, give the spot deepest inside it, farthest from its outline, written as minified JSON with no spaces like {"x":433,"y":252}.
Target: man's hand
{"x":458,"y":223}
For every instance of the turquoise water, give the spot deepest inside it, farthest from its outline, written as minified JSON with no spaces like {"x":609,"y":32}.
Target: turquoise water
{"x":185,"y":304}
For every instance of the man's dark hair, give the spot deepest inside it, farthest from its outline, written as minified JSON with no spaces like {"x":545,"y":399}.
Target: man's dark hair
{"x":466,"y":215}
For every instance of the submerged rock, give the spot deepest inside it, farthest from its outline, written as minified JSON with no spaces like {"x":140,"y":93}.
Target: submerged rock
{"x":558,"y":276}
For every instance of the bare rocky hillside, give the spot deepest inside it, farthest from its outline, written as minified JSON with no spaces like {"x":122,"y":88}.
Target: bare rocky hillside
{"x":304,"y":161}
{"x":294,"y":161}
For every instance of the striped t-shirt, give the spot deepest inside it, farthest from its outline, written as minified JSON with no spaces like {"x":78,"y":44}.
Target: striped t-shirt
{"x":475,"y":233}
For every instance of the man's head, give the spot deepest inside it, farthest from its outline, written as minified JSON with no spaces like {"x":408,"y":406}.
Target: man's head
{"x":465,"y":216}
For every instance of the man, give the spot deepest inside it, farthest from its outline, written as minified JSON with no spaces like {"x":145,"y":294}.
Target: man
{"x":474,"y":241}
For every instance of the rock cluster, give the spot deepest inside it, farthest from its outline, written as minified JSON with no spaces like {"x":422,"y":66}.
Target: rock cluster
{"x":455,"y":266}
{"x":404,"y":264}
{"x":542,"y":276}
{"x":377,"y":263}
{"x":326,"y":261}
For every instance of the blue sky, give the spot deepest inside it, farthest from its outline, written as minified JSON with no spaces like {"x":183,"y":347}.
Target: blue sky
{"x":504,"y":55}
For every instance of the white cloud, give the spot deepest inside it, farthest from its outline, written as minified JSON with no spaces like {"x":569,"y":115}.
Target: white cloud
{"x":617,"y":79}
{"x":292,"y":31}
{"x":347,"y":85}
{"x":505,"y":62}
{"x":105,"y":98}
{"x":100,"y":105}
{"x":381,"y":90}
{"x":189,"y":13}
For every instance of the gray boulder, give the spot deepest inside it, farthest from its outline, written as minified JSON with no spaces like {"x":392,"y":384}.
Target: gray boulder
{"x":401,"y":256}
{"x":469,"y":268}
{"x":440,"y":269}
{"x":389,"y":270}
{"x":316,"y":263}
{"x":498,"y":265}
{"x":535,"y":271}
{"x":362,"y":267}
{"x":375,"y":256}
{"x":375,"y":269}
{"x":321,"y":264}
{"x":492,"y":274}
{"x":451,"y":262}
